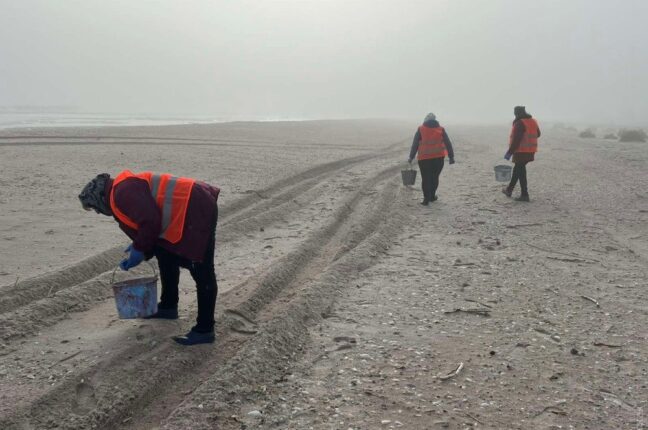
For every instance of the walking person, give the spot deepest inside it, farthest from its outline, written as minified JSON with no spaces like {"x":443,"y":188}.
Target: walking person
{"x":173,"y":219}
{"x":523,"y":144}
{"x":432,"y":144}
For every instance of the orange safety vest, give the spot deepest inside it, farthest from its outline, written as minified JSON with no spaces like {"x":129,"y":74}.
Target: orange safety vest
{"x":171,"y":195}
{"x":431,"y":144}
{"x":529,"y":142}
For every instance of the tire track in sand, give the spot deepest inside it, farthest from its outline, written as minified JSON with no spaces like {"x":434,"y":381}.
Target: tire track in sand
{"x":216,"y":402}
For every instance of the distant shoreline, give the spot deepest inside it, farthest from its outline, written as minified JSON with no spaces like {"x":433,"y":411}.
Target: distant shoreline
{"x":21,"y":119}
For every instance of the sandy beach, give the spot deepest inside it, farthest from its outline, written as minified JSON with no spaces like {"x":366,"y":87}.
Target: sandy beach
{"x":343,"y":303}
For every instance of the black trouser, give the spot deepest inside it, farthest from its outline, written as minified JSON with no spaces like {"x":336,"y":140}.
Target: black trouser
{"x":519,"y":172}
{"x":202,"y":272}
{"x":430,"y":171}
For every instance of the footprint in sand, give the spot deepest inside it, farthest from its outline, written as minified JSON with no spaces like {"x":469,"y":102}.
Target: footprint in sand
{"x":85,"y":400}
{"x":145,"y":331}
{"x":240,"y":323}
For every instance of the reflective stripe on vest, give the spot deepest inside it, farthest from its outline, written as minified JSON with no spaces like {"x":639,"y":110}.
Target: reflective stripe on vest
{"x":529,"y":142}
{"x":431,"y":144}
{"x":171,"y":195}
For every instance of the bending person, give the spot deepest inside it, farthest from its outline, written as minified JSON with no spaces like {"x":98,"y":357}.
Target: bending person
{"x":173,"y":219}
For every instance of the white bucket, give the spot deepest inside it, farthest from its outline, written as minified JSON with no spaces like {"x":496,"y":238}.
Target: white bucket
{"x":503,"y":173}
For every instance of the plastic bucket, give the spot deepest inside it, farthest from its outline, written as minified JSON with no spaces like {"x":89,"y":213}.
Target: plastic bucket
{"x":408,"y":176}
{"x":136,"y":298}
{"x":503,"y":173}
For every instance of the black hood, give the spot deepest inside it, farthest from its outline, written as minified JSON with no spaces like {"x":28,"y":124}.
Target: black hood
{"x":520,"y":112}
{"x":93,"y":195}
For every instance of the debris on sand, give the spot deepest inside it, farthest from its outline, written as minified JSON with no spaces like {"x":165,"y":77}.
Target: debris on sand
{"x":569,"y":260}
{"x":472,"y":418}
{"x":574,"y":351}
{"x":533,"y":224}
{"x":69,"y":357}
{"x":453,"y":373}
{"x":458,"y":263}
{"x":479,"y":303}
{"x":609,"y":345}
{"x":553,"y":409}
{"x":575,"y":257}
{"x":592,"y":300}
{"x":609,"y":396}
{"x":347,"y":339}
{"x":476,"y":311}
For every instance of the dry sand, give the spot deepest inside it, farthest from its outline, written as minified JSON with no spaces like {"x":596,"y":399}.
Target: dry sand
{"x":343,"y":303}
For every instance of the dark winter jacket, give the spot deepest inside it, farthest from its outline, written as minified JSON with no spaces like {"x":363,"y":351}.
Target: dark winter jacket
{"x":133,"y":197}
{"x":417,"y":139}
{"x":518,"y":133}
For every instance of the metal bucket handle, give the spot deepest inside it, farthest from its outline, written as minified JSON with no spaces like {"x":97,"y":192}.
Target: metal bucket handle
{"x":502,"y":160}
{"x":112,"y":278}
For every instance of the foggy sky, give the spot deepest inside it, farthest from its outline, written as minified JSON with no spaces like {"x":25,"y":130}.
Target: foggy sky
{"x":465,"y":60}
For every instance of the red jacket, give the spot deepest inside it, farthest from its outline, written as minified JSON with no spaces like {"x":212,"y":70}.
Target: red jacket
{"x":134,"y":199}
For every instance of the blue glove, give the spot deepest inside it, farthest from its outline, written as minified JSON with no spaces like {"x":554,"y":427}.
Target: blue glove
{"x":507,"y":156}
{"x":134,"y":258}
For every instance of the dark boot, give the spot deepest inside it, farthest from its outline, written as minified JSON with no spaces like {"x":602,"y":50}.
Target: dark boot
{"x":195,"y":338}
{"x":507,"y":191}
{"x":522,"y":198}
{"x":164,"y":314}
{"x":425,"y":202}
